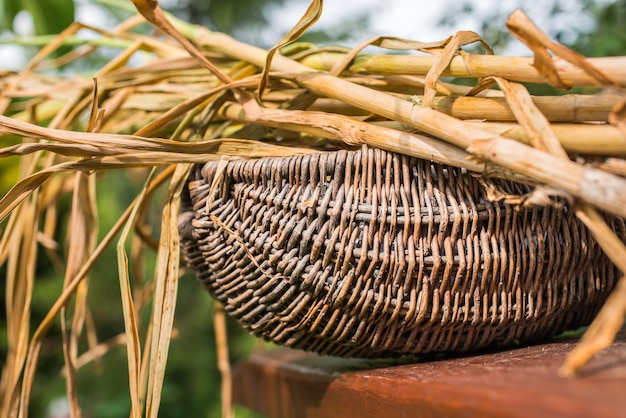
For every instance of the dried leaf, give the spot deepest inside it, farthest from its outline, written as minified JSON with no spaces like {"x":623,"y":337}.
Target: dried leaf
{"x":19,"y":289}
{"x":151,"y":10}
{"x":311,"y":15}
{"x":133,"y":347}
{"x":617,"y":117}
{"x":81,"y":240}
{"x":36,"y":341}
{"x":450,"y":50}
{"x":610,"y":319}
{"x":526,"y":31}
{"x":388,"y":42}
{"x":223,"y":364}
{"x":168,"y":263}
{"x":534,"y":123}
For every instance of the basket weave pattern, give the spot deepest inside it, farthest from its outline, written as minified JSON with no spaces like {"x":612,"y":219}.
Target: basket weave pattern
{"x":369,"y":253}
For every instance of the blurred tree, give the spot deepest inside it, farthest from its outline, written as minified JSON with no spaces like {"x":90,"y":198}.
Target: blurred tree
{"x":225,"y":15}
{"x":247,"y":19}
{"x":592,"y":27}
{"x":608,"y":36}
{"x":49,"y":16}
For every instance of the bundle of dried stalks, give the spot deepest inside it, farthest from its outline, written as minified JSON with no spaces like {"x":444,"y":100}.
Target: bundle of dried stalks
{"x":217,"y":98}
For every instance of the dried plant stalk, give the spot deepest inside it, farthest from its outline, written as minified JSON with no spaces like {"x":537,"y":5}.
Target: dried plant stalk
{"x":133,"y":347}
{"x":582,"y":139}
{"x":168,"y":263}
{"x":589,"y":184}
{"x":476,"y":66}
{"x":223,"y":364}
{"x":570,"y":108}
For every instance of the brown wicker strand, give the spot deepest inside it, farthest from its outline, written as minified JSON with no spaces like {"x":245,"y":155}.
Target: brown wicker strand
{"x":369,"y":253}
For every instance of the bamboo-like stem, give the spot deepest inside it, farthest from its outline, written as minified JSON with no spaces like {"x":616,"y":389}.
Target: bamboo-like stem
{"x":590,"y":139}
{"x":587,"y":183}
{"x":570,"y":108}
{"x":474,"y":66}
{"x":602,"y":139}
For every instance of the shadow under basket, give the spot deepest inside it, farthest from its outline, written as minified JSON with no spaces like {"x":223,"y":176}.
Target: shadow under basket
{"x":370,"y":253}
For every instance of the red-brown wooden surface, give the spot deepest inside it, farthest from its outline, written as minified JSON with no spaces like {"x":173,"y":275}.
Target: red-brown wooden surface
{"x":515,"y":383}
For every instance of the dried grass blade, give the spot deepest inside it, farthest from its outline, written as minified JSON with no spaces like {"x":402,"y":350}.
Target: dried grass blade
{"x":21,"y":191}
{"x":526,"y":31}
{"x":223,"y":364}
{"x":617,"y":117}
{"x":36,"y":341}
{"x":388,"y":42}
{"x":28,"y":185}
{"x":112,"y":144}
{"x":190,"y":104}
{"x":34,"y":62}
{"x":92,"y":343}
{"x":444,"y":59}
{"x":151,"y":10}
{"x":354,"y":132}
{"x":133,"y":348}
{"x":98,"y":350}
{"x":146,"y":366}
{"x":19,"y":288}
{"x":610,"y":319}
{"x":311,"y":15}
{"x":165,"y":293}
{"x":225,"y":146}
{"x":534,"y":123}
{"x":81,"y":238}
{"x":69,"y":150}
{"x":601,"y":332}
{"x":94,"y":115}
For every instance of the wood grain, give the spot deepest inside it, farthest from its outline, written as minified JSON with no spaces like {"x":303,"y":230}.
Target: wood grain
{"x":516,"y":383}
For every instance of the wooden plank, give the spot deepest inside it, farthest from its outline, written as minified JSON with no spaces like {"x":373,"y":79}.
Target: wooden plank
{"x":517,"y":383}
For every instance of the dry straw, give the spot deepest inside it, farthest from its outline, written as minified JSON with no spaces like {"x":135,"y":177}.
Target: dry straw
{"x":219,"y":98}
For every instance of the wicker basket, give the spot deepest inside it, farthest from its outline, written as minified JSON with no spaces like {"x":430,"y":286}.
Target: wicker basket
{"x":369,"y":253}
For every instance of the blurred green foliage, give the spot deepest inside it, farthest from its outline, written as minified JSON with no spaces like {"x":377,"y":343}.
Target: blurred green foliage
{"x":49,"y":16}
{"x":8,"y":166}
{"x":604,"y":37}
{"x":225,"y":16}
{"x":192,"y":382}
{"x":191,"y":386}
{"x":609,"y":35}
